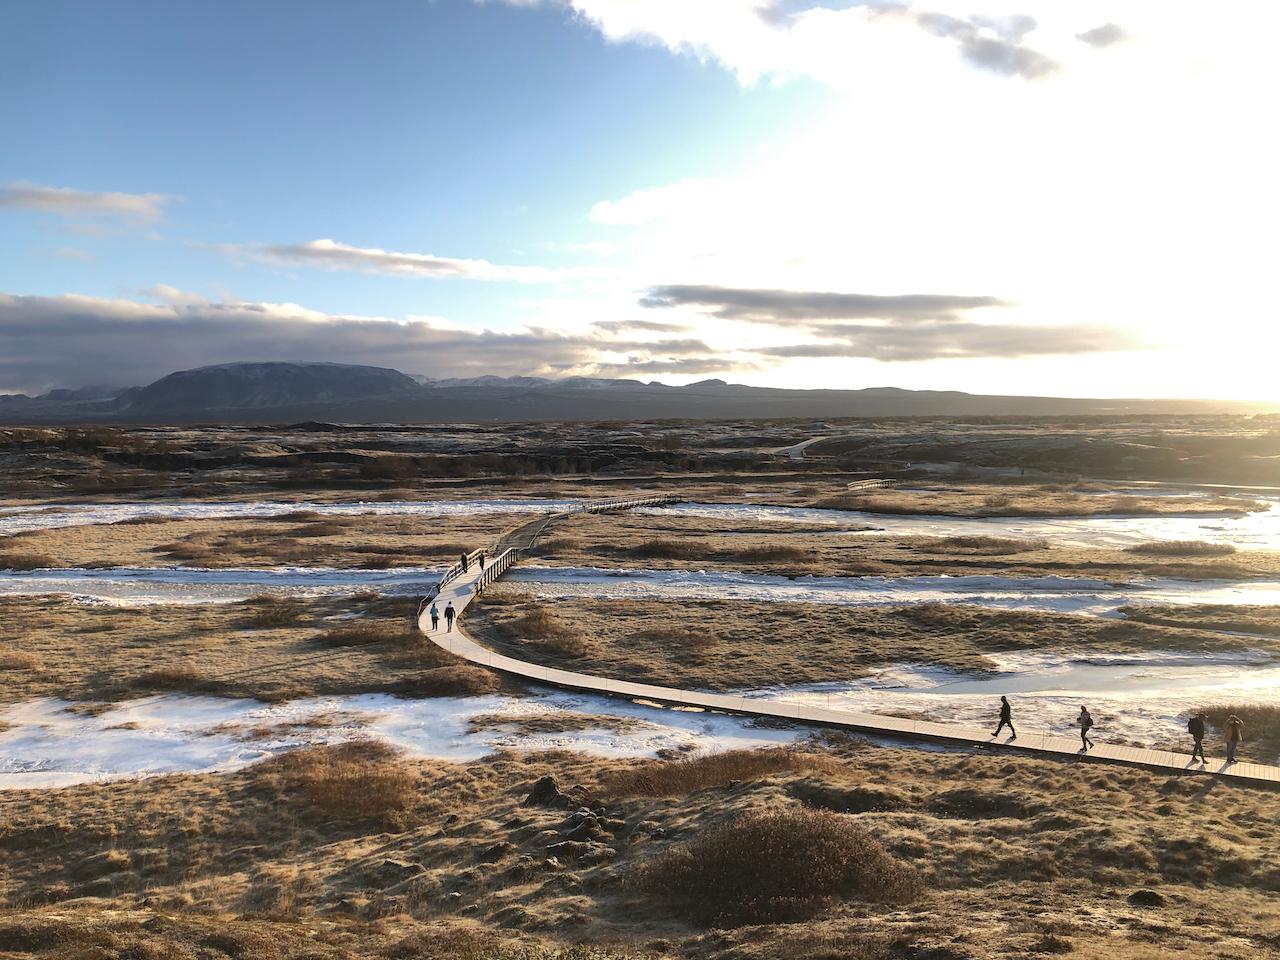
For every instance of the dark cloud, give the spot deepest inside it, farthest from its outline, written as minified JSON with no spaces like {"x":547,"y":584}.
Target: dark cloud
{"x":942,"y":340}
{"x":1103,"y":36}
{"x":1002,"y":53}
{"x":682,"y":365}
{"x":782,"y":306}
{"x":73,"y":341}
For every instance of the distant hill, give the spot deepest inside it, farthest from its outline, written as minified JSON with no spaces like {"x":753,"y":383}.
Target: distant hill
{"x":285,"y":392}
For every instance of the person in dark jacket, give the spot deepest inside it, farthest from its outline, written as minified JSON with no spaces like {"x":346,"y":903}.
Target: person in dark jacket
{"x":481,"y":561}
{"x":465,"y":563}
{"x":1086,"y":724}
{"x":1195,"y":727}
{"x":449,"y":614}
{"x":435,"y":616}
{"x":1006,"y":719}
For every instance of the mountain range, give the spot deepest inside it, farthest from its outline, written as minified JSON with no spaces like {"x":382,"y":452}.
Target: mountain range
{"x":279,"y":392}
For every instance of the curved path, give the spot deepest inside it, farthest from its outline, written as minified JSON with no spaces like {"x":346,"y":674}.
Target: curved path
{"x":461,"y":588}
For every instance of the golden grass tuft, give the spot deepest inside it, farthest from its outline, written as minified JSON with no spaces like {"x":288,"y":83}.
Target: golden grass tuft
{"x":543,"y":625}
{"x":1181,"y":548}
{"x":26,"y":561}
{"x":776,"y":867}
{"x":270,"y":610}
{"x":18,"y":660}
{"x":360,"y":780}
{"x":985,"y":546}
{"x":364,"y":633}
{"x":677,"y":778}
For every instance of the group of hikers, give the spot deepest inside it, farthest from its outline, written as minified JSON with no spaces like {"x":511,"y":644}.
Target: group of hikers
{"x":1195,"y":726}
{"x":450,"y":614}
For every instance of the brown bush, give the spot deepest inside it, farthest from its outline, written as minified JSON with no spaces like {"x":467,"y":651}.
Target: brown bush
{"x":677,"y":778}
{"x":543,"y":625}
{"x":680,"y":638}
{"x":351,"y":781}
{"x":170,"y":678}
{"x":389,"y":468}
{"x":18,"y":660}
{"x":187,"y":551}
{"x":363,"y":633}
{"x":268,"y":610}
{"x":776,"y":867}
{"x":463,"y":680}
{"x":669,"y":550}
{"x":26,"y":561}
{"x":767,"y":554}
{"x":1182,"y":548}
{"x":991,"y":546}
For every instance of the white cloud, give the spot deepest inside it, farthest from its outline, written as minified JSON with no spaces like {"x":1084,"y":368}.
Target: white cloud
{"x":135,"y":208}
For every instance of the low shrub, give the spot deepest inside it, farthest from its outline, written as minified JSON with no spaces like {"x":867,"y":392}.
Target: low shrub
{"x":455,"y":681}
{"x":18,"y":660}
{"x":680,"y":638}
{"x":26,"y":561}
{"x":990,"y":546}
{"x":776,"y":867}
{"x":677,"y":778}
{"x":351,"y":781}
{"x":268,"y":610}
{"x":170,"y":678}
{"x":363,"y":633}
{"x":544,"y":626}
{"x":767,"y":554}
{"x":997,"y":501}
{"x":669,"y":550}
{"x":1181,"y":548}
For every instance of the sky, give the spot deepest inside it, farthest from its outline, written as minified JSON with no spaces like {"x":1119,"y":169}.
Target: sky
{"x":1048,"y":198}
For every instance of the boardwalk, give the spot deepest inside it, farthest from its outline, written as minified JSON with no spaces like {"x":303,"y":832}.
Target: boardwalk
{"x":461,"y":588}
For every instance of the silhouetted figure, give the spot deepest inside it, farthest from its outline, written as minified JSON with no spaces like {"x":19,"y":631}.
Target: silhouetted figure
{"x":1086,"y":724}
{"x":1235,"y":733}
{"x":1195,"y":727}
{"x":449,"y":614}
{"x":435,"y":616}
{"x":465,"y":563}
{"x":1006,"y":719}
{"x":481,"y":558}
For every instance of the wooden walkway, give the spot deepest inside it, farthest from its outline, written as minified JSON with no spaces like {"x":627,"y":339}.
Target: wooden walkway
{"x":461,"y":588}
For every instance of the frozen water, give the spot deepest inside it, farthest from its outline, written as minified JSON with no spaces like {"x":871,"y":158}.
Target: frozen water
{"x":47,"y":745}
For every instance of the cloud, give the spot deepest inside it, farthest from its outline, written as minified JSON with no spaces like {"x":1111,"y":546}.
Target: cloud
{"x":135,"y":208}
{"x":1103,"y":36}
{"x":657,"y":326}
{"x":781,"y":306}
{"x":73,"y":340}
{"x":1001,"y":53}
{"x":74,"y":253}
{"x":945,"y":341}
{"x":657,"y":203}
{"x":332,"y":255}
{"x":909,"y":327}
{"x":675,"y":365}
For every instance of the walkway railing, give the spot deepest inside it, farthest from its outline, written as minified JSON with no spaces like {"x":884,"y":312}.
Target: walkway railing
{"x":875,"y":484}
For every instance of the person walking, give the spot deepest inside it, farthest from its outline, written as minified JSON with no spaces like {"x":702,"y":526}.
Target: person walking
{"x":465,"y":563}
{"x":435,"y":616}
{"x":1086,"y":724}
{"x":449,"y":614}
{"x":1235,"y":734}
{"x":481,"y":558}
{"x":1006,"y":719}
{"x":1195,"y":727}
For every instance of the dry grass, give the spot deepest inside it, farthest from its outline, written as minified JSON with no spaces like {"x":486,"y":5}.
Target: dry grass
{"x":1259,"y":619}
{"x":462,"y":680}
{"x":1261,"y":728}
{"x":361,"y":780}
{"x":179,"y":678}
{"x":675,"y":778}
{"x":776,"y":867}
{"x":269,"y":610}
{"x":18,"y":660}
{"x":667,"y":549}
{"x":985,"y":546}
{"x":542,"y":625}
{"x":26,"y":561}
{"x":364,"y":633}
{"x":1182,"y":548}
